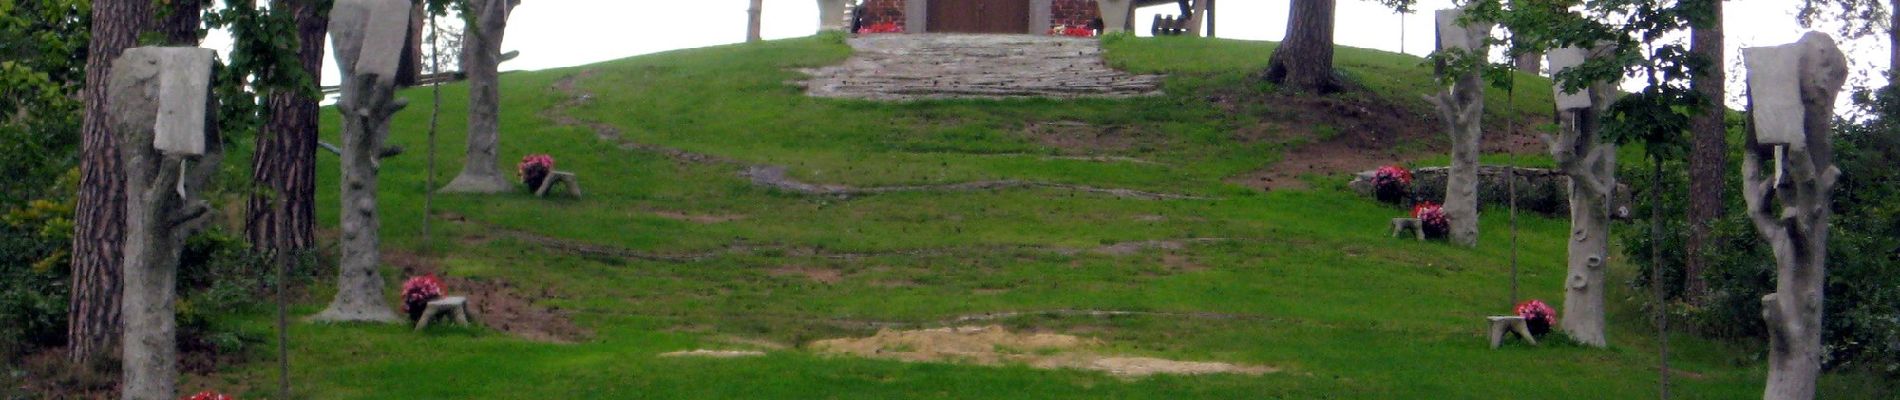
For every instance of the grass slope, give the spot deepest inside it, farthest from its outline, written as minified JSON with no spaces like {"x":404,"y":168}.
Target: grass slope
{"x":1321,"y":291}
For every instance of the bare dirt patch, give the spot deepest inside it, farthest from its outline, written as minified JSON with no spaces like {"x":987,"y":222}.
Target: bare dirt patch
{"x":820,"y":275}
{"x":498,"y":304}
{"x":704,"y":353}
{"x":994,"y":345}
{"x":1073,"y":137}
{"x":1351,"y":132}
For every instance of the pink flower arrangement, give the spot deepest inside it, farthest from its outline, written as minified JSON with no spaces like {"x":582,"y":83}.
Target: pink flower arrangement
{"x":417,"y":292}
{"x":1432,"y":217}
{"x":1072,"y":31}
{"x":1538,"y":315}
{"x":882,"y":27}
{"x":209,"y":395}
{"x":534,"y":169}
{"x":1390,"y":183}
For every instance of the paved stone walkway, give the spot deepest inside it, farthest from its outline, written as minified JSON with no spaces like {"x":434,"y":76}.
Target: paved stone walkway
{"x":961,"y":66}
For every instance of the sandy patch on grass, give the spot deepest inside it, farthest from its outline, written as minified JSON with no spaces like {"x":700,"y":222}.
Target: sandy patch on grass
{"x":994,"y":345}
{"x":704,"y":353}
{"x":820,"y":275}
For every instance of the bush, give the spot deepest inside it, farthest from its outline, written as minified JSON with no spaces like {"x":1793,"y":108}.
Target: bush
{"x":34,"y":238}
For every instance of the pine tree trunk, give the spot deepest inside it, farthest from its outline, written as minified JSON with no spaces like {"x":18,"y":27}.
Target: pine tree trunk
{"x":409,"y":67}
{"x":282,"y":211}
{"x":1708,"y":159}
{"x":93,"y":319}
{"x":1893,"y":39}
{"x":481,"y":50}
{"x":1304,"y":60}
{"x":1530,"y":63}
{"x":181,"y":22}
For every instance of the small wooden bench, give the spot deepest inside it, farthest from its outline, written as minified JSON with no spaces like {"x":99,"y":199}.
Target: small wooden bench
{"x":455,"y":306}
{"x":562,"y":178}
{"x":1512,"y":323}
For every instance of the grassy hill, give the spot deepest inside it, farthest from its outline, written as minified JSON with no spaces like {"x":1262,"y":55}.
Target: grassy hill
{"x":674,"y":248}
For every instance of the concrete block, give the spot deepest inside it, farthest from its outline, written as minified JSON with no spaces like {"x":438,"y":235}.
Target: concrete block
{"x":1454,"y":36}
{"x":368,"y":35}
{"x":1774,"y":89}
{"x":1563,"y":59}
{"x":184,"y":84}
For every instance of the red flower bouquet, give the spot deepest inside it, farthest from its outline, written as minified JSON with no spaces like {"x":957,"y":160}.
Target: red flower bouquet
{"x":534,"y":169}
{"x":1538,"y":315}
{"x":417,"y":292}
{"x":1391,"y":183}
{"x":209,"y":395}
{"x":1432,"y":218}
{"x":881,"y":27}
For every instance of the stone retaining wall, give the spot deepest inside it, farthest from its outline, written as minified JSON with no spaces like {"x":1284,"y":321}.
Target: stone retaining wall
{"x":1539,"y":190}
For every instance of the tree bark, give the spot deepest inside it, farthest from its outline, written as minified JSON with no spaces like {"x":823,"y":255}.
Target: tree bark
{"x":282,"y":211}
{"x":1461,"y":106}
{"x":409,"y":67}
{"x":1591,"y":167}
{"x":1530,"y":63}
{"x":181,"y":23}
{"x":1304,"y":60}
{"x":481,"y":52}
{"x":1893,"y":40}
{"x":753,"y":14}
{"x":1708,"y":158}
{"x":162,"y":209}
{"x":1792,"y":213}
{"x":93,"y":321}
{"x":366,"y":104}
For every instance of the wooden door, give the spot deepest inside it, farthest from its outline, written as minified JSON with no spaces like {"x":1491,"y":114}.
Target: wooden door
{"x":979,"y":16}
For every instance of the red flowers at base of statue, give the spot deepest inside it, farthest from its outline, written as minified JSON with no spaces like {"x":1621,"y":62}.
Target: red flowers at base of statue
{"x":534,"y":169}
{"x":417,"y":292}
{"x":1072,"y":31}
{"x":1391,"y":183}
{"x":1538,"y":315}
{"x":1431,"y":217}
{"x":209,"y":395}
{"x":881,"y":27}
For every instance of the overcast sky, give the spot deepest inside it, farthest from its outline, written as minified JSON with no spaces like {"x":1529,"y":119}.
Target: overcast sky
{"x":559,"y":33}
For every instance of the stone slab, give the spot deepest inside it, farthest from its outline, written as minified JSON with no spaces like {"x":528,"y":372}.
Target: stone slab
{"x":1454,"y":36}
{"x":1563,"y":59}
{"x":1774,"y":90}
{"x":184,"y":84}
{"x":368,"y":35}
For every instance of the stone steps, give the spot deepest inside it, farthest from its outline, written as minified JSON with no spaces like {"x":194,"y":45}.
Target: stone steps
{"x":963,"y":66}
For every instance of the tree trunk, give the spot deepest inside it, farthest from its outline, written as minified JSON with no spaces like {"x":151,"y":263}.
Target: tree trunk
{"x":481,"y":52}
{"x":1304,"y":60}
{"x":181,"y":23}
{"x":1530,"y":63}
{"x":753,"y":15}
{"x":282,"y":210}
{"x":162,"y":208}
{"x":1462,"y":108}
{"x":1591,"y":167}
{"x":1893,"y":40}
{"x":1791,"y":211}
{"x":1708,"y":159}
{"x":93,"y":321}
{"x":1116,"y":16}
{"x":366,"y":104}
{"x":409,"y":67}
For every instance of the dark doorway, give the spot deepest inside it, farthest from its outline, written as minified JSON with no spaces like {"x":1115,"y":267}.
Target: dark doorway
{"x":979,"y":16}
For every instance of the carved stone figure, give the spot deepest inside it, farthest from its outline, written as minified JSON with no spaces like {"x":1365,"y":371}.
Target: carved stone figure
{"x":364,"y":55}
{"x":1591,"y":165}
{"x":1461,"y":105}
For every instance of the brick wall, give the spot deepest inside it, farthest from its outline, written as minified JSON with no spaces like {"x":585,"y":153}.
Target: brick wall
{"x":881,"y":11}
{"x":1072,"y":12}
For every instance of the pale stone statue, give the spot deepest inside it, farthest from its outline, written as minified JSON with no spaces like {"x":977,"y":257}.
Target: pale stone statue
{"x":366,"y":58}
{"x":1461,"y":105}
{"x":160,"y":99}
{"x":1790,"y":205}
{"x":1591,"y":166}
{"x":481,"y":55}
{"x":831,"y":15}
{"x":1114,"y":14}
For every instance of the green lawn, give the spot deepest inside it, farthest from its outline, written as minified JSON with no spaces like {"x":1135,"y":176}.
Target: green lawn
{"x":1316,"y":287}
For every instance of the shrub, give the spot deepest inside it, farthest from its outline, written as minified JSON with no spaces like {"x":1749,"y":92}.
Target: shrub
{"x":417,"y":292}
{"x":534,"y":169}
{"x":1538,"y":315}
{"x":1391,"y":183}
{"x":1432,"y":217}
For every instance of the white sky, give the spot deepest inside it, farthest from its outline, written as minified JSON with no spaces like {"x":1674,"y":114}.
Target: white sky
{"x":559,"y":33}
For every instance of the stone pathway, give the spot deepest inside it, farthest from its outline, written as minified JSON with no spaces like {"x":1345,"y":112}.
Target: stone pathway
{"x":962,"y":66}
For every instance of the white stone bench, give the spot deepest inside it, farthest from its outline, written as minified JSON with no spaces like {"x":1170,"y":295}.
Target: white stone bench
{"x":1502,"y":324}
{"x":562,"y":178}
{"x":456,"y":306}
{"x":1400,"y":225}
